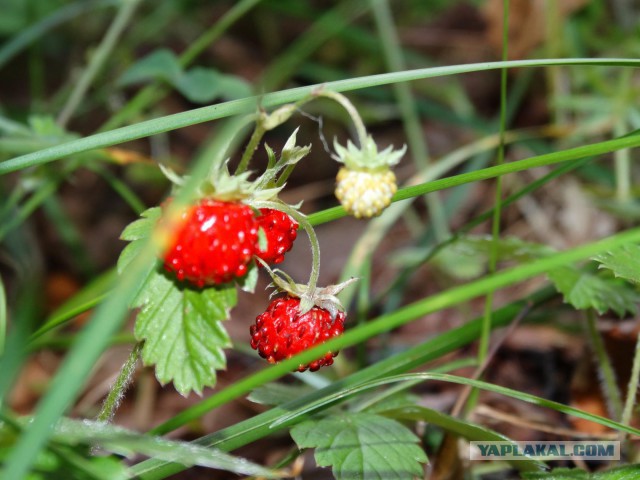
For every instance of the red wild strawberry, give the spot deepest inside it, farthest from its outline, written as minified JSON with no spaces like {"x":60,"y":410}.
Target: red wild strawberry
{"x":281,"y":231}
{"x":281,"y":332}
{"x":214,"y":244}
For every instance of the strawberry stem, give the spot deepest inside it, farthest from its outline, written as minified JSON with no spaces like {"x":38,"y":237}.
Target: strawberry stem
{"x":313,"y":239}
{"x":351,"y":110}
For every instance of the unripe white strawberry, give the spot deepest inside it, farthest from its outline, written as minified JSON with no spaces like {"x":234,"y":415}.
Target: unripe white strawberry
{"x":366,"y":185}
{"x":365,"y":193}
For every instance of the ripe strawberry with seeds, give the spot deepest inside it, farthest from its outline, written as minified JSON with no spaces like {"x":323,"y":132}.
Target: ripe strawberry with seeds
{"x":282,"y":331}
{"x":214,"y":242}
{"x":280,"y":231}
{"x":307,"y":316}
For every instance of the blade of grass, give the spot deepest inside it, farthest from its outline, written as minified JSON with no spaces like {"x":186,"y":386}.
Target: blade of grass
{"x":125,"y":12}
{"x":3,"y":316}
{"x":27,"y":36}
{"x":464,"y":429}
{"x":445,"y":377}
{"x":415,"y":137}
{"x":248,"y":105}
{"x":69,"y":235}
{"x":154,"y":92}
{"x":485,"y":338}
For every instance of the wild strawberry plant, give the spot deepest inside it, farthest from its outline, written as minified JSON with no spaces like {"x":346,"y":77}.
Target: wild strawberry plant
{"x":223,"y":225}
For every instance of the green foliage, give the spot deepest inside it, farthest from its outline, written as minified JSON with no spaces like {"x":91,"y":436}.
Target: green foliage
{"x":362,"y":445}
{"x":624,"y":262}
{"x":198,"y":84}
{"x":136,"y":233}
{"x":182,"y":330}
{"x":180,"y":325}
{"x":467,"y":257}
{"x":128,"y":443}
{"x":627,"y":472}
{"x":583,"y":290}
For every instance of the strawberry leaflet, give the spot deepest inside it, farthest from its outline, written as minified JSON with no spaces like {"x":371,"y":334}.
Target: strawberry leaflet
{"x":180,"y":325}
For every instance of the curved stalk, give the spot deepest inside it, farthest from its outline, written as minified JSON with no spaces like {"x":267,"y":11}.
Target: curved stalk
{"x":313,"y":239}
{"x":351,"y":110}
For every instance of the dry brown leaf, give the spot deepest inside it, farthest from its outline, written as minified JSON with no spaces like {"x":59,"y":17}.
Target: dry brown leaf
{"x":527,"y":23}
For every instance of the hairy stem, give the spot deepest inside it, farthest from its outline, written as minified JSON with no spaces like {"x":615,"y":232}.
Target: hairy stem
{"x":632,"y":389}
{"x":114,"y":399}
{"x":605,"y":369}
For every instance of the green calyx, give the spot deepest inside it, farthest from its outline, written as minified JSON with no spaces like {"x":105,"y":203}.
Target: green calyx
{"x":324,"y":297}
{"x":221,"y":185}
{"x":367,"y":157}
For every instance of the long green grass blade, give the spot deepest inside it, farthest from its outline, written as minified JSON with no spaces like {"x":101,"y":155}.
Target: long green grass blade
{"x":30,"y":34}
{"x":247,"y":105}
{"x":445,"y":377}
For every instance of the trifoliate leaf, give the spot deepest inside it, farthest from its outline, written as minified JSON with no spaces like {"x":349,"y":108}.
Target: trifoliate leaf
{"x":362,"y":446}
{"x":624,"y":262}
{"x":182,"y":329}
{"x":584,"y":290}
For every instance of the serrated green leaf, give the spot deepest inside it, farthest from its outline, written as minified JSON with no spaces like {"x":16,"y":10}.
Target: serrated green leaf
{"x":182,"y":329}
{"x":585,"y":290}
{"x":624,"y":262}
{"x":159,"y":65}
{"x":362,"y":445}
{"x":275,"y":394}
{"x":142,"y":227}
{"x":136,"y":232}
